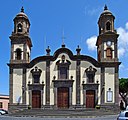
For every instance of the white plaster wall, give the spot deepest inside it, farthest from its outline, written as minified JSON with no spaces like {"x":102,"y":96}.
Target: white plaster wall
{"x":109,"y":82}
{"x":84,"y":66}
{"x":17,"y":85}
{"x":42,"y":66}
{"x":72,"y":72}
{"x":54,"y":72}
{"x":28,"y":51}
{"x":18,"y":46}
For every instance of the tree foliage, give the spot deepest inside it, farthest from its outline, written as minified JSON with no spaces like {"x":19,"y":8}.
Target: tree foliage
{"x":123,"y":89}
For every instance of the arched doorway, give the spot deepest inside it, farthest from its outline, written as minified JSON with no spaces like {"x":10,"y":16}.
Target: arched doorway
{"x":36,"y":99}
{"x":63,"y":97}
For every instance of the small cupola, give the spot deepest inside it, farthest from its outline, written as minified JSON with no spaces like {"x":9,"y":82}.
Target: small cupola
{"x":106,"y":21}
{"x":21,"y":23}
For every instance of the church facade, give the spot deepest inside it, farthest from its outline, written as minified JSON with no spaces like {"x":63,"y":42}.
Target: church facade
{"x":63,"y":80}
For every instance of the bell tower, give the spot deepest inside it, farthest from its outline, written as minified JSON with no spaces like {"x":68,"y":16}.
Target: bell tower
{"x":107,"y":38}
{"x":20,"y":40}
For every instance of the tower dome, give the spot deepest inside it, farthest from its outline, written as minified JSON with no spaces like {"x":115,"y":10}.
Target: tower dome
{"x":106,"y":12}
{"x":21,"y":23}
{"x":106,"y":21}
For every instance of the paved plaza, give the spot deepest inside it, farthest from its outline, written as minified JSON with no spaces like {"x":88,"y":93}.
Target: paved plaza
{"x":111,"y":117}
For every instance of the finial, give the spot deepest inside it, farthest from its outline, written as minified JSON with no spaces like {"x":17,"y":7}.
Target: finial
{"x":78,"y":50}
{"x":22,"y":9}
{"x":48,"y":51}
{"x":105,"y":7}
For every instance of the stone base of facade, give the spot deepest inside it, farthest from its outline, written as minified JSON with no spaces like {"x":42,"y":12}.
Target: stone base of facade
{"x":114,"y":107}
{"x":16,"y":107}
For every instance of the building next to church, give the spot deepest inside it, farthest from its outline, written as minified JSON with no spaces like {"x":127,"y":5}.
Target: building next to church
{"x":4,"y":101}
{"x":64,"y":80}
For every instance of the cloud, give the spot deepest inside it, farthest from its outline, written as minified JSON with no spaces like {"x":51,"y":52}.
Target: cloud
{"x":91,"y":11}
{"x":122,"y":41}
{"x":121,"y":52}
{"x":91,"y":43}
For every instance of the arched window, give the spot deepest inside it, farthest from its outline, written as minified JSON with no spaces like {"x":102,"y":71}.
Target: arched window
{"x":90,"y":73}
{"x":63,"y":68}
{"x":109,"y":53}
{"x":108,"y":26}
{"x":19,"y":27}
{"x":18,"y":54}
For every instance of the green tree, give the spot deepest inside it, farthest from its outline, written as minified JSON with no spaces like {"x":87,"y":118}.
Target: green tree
{"x":123,"y":89}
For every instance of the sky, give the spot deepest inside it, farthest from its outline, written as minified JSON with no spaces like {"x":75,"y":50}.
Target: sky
{"x":51,"y":20}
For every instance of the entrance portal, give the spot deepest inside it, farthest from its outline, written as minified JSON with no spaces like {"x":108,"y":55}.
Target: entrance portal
{"x":36,"y":99}
{"x":63,"y":97}
{"x":90,"y":99}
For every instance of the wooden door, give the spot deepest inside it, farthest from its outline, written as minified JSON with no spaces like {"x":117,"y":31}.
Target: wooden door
{"x":36,"y":99}
{"x":63,"y":98}
{"x":90,"y":99}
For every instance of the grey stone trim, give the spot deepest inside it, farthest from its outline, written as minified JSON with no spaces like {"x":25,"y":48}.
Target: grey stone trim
{"x":63,"y":83}
{"x":47,"y":82}
{"x":18,"y":39}
{"x":70,"y":96}
{"x":90,"y":86}
{"x":36,"y":86}
{"x":24,"y":52}
{"x":115,"y":47}
{"x":12,"y":51}
{"x":30,"y":97}
{"x":78,"y":82}
{"x":15,"y":107}
{"x":10,"y":86}
{"x":24,"y":86}
{"x":102,"y":92}
{"x":55,"y":97}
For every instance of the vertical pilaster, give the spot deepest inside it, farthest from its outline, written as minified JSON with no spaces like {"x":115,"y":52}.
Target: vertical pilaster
{"x":24,"y":52}
{"x":42,"y":98}
{"x":70,"y":96}
{"x":78,"y":82}
{"x":48,"y":82}
{"x":115,"y":46}
{"x":12,"y":51}
{"x":24,"y":86}
{"x":55,"y":97}
{"x":102,"y":85}
{"x":11,"y":86}
{"x":116,"y":85}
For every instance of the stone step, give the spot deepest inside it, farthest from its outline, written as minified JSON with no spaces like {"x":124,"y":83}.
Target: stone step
{"x":64,"y":112}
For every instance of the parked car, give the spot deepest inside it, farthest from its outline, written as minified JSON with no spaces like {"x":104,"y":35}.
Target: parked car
{"x":3,"y":112}
{"x":123,"y":115}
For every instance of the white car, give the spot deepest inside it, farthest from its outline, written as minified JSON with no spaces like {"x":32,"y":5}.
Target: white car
{"x":3,"y":112}
{"x":123,"y":115}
